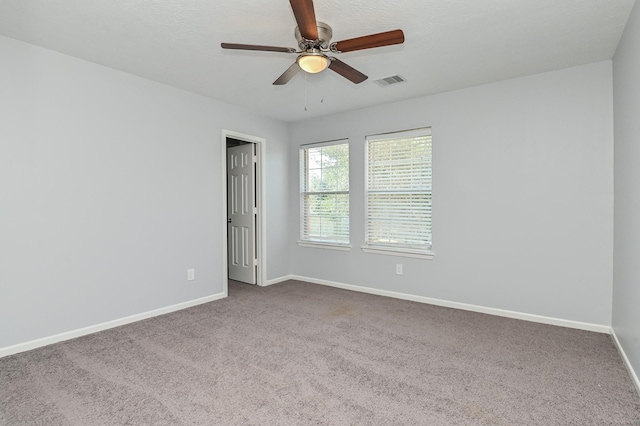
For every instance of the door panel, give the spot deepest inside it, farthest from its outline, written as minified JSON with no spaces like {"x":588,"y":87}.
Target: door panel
{"x":241,"y":212}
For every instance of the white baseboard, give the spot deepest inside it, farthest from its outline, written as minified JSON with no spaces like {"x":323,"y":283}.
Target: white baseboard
{"x":625,"y":359}
{"x":464,"y":306}
{"x":278,"y":280}
{"x":33,"y":344}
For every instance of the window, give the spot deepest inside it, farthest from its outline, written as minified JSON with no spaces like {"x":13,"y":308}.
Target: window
{"x":398,"y":193}
{"x":324,"y":193}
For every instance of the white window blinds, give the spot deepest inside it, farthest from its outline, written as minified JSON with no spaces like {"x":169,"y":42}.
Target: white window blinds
{"x":398,"y":190}
{"x":324,"y":192}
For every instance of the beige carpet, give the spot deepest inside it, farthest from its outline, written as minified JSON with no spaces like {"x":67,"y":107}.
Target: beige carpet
{"x":298,"y":353}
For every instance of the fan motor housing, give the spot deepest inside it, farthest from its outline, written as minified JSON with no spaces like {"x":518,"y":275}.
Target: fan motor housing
{"x":324,"y":37}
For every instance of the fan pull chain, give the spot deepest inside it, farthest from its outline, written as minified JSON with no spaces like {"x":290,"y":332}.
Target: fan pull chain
{"x":305,"y":91}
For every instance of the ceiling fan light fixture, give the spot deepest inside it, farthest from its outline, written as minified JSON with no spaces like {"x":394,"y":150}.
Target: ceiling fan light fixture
{"x":314,"y":42}
{"x":313,"y":62}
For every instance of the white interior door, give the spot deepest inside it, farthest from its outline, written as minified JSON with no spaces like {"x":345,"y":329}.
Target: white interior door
{"x":241,"y":213}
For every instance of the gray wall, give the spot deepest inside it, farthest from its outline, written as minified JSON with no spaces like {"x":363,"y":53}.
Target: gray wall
{"x":626,"y":273}
{"x":110,"y":188}
{"x":522,"y":201}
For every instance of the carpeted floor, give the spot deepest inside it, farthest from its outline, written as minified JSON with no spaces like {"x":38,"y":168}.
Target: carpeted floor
{"x":298,"y":353}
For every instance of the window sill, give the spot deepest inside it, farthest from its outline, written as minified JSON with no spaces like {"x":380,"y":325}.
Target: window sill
{"x":330,"y":246}
{"x":388,"y":251}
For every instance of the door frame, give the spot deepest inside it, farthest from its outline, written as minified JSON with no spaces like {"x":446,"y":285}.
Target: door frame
{"x":261,"y":233}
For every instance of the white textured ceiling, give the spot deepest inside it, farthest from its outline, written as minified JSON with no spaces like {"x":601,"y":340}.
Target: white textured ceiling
{"x":450,"y":44}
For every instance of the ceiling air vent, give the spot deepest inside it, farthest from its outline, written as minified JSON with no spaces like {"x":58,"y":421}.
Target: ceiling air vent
{"x":388,"y":81}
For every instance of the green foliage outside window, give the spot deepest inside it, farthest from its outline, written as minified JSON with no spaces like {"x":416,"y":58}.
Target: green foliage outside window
{"x":325,"y":193}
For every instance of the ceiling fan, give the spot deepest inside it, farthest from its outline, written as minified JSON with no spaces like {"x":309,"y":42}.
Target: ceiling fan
{"x":314,"y":41}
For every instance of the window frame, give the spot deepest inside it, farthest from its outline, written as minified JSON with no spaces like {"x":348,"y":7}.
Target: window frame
{"x":400,"y":249}
{"x":304,"y":238}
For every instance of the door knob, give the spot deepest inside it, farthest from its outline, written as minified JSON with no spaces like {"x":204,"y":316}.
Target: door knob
{"x":228,"y":220}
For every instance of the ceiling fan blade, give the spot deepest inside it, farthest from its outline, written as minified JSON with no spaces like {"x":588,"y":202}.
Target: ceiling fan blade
{"x":367,"y":42}
{"x":288,"y":74}
{"x":238,"y":46}
{"x":306,"y":18}
{"x":347,"y":71}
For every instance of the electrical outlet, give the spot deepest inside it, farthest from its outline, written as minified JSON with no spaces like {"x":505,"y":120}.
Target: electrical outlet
{"x":191,"y":274}
{"x":398,"y":268}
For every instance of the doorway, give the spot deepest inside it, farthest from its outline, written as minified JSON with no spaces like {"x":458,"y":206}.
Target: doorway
{"x":243,"y":208}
